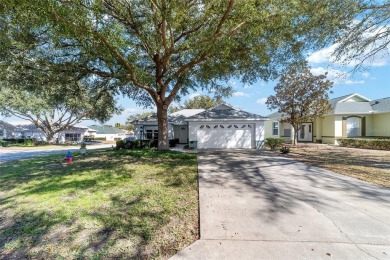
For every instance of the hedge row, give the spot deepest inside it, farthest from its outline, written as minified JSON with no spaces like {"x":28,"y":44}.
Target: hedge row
{"x":140,"y":144}
{"x":379,"y":144}
{"x":93,"y":138}
{"x":21,"y":142}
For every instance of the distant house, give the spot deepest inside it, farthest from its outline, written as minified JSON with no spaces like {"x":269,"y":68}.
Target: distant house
{"x":6,"y":130}
{"x":108,"y":132}
{"x":351,"y":116}
{"x":72,"y":134}
{"x":221,"y":127}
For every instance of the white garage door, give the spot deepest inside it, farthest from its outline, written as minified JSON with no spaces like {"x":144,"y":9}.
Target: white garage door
{"x":220,"y":136}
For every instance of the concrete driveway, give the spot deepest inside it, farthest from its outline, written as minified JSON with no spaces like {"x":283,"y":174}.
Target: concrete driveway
{"x":256,"y":205}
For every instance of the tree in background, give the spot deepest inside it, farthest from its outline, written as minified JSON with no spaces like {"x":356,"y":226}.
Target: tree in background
{"x":300,"y":97}
{"x":368,"y":37}
{"x":158,"y":51}
{"x":197,"y":102}
{"x":138,"y":116}
{"x":201,"y":101}
{"x":54,"y":108}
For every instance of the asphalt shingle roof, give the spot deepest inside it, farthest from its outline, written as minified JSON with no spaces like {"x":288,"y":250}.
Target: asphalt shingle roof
{"x":364,"y":107}
{"x":225,"y":112}
{"x":381,"y":105}
{"x":103,"y":129}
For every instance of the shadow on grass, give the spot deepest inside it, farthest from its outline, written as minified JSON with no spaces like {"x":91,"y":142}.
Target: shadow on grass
{"x":132,"y":213}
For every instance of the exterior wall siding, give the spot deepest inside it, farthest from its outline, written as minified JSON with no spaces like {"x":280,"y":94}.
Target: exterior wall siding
{"x":381,"y":125}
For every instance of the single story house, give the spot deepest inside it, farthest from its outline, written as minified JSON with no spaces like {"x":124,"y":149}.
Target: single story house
{"x":221,"y":127}
{"x":351,"y":115}
{"x":73,"y":134}
{"x":6,"y":130}
{"x":110,"y":133}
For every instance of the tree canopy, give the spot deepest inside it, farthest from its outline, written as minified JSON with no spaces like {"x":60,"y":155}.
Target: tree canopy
{"x":56,"y":109}
{"x":156,"y":51}
{"x":201,"y":101}
{"x":367,"y":39}
{"x":300,"y":97}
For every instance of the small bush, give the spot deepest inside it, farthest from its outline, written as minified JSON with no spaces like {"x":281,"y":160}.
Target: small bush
{"x":273,"y":143}
{"x":40,"y":143}
{"x":88,"y":138}
{"x":136,"y":144}
{"x":120,"y":144}
{"x":4,"y":143}
{"x":365,"y":143}
{"x":172,"y":143}
{"x":285,"y":150}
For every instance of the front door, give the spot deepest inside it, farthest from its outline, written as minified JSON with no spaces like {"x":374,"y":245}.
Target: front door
{"x":305,"y":134}
{"x":183,"y":134}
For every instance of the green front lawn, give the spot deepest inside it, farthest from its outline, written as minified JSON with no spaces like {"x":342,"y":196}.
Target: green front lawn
{"x":107,"y":204}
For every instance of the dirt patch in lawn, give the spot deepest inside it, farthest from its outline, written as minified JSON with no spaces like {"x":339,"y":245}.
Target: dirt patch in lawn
{"x":367,"y":165}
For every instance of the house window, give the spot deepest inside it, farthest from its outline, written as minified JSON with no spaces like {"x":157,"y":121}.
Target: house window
{"x":230,"y":126}
{"x":275,"y":128}
{"x":353,"y":127}
{"x":72,"y":137}
{"x":249,"y":126}
{"x":221,"y":126}
{"x":243,"y":126}
{"x":201,"y":126}
{"x":215,"y":126}
{"x":152,"y":134}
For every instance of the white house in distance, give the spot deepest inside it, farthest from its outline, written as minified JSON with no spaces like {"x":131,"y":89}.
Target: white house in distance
{"x":110,"y":133}
{"x":221,"y":127}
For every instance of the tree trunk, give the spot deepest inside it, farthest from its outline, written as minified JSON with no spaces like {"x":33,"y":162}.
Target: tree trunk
{"x":50,"y":137}
{"x":294,"y":135}
{"x":162,"y":117}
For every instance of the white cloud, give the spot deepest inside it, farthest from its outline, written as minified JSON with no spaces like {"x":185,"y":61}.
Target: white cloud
{"x":323,"y":55}
{"x":240,"y":94}
{"x":196,"y":94}
{"x":365,"y":74}
{"x":134,"y":110}
{"x":381,"y":58}
{"x":334,"y":75}
{"x":247,"y":86}
{"x":261,"y":101}
{"x":352,"y":82}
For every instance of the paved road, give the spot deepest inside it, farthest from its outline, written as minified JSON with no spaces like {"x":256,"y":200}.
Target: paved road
{"x":255,"y":205}
{"x":8,"y":154}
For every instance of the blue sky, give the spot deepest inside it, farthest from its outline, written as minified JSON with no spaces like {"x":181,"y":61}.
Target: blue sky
{"x":373,"y":82}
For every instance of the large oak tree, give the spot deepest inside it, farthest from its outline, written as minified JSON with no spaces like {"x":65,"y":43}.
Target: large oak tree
{"x":155,"y":51}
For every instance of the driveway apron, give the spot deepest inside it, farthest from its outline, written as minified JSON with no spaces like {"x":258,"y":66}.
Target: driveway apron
{"x":259,"y":205}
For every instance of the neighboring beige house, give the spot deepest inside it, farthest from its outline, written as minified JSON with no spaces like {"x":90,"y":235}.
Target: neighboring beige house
{"x":351,"y":116}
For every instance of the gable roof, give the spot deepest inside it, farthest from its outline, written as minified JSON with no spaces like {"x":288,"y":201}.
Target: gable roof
{"x":187,"y":112}
{"x":172,"y":118}
{"x":224,"y":111}
{"x":349,"y":105}
{"x":381,"y":105}
{"x":5,"y":125}
{"x":104,"y":129}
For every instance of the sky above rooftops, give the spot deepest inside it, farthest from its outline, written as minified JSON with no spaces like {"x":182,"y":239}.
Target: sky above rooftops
{"x":372,"y":81}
